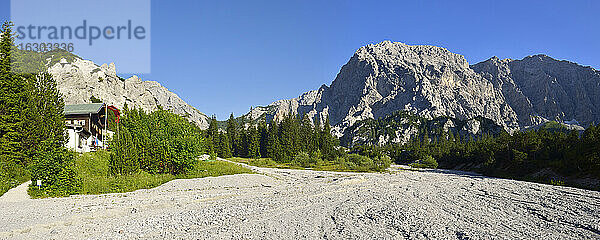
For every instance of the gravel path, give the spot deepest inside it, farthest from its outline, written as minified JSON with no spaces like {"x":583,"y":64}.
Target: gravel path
{"x":17,"y":194}
{"x":300,"y":204}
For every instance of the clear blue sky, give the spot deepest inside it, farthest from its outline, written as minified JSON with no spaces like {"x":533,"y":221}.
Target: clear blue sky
{"x":225,"y":56}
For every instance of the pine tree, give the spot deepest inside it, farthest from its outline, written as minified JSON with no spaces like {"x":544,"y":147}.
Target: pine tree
{"x":243,"y":143}
{"x":327,"y":141}
{"x":253,"y":143}
{"x":272,"y":141}
{"x":44,"y":118}
{"x":316,"y":132}
{"x":239,"y":140}
{"x":232,"y":132}
{"x":213,"y":127}
{"x":224,"y":150}
{"x":263,"y":135}
{"x":286,"y":139}
{"x":305,"y":136}
{"x":13,"y":100}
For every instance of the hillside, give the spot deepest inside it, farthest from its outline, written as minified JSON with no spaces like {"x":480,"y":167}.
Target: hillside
{"x":400,"y":126}
{"x":78,"y":80}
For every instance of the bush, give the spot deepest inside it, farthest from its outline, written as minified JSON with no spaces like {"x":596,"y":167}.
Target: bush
{"x":426,"y":162}
{"x":382,"y":162}
{"x":55,"y":167}
{"x":359,"y":162}
{"x":159,"y":142}
{"x":306,"y":160}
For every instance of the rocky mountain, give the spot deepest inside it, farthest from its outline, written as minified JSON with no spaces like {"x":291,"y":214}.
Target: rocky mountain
{"x":78,"y":80}
{"x":541,"y":88}
{"x":380,"y":79}
{"x":383,"y":78}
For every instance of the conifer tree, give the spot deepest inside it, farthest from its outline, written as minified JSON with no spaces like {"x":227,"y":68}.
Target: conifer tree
{"x":263,"y":134}
{"x":13,"y":100}
{"x":306,"y":130}
{"x":213,"y":127}
{"x":232,"y":133}
{"x":286,"y":138}
{"x":253,"y":143}
{"x":272,"y":141}
{"x":240,"y":139}
{"x":44,"y":118}
{"x":224,"y":150}
{"x":327,"y":141}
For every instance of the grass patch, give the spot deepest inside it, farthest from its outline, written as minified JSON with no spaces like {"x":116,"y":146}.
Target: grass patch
{"x":263,"y":162}
{"x":11,"y":175}
{"x":333,"y":166}
{"x":93,"y":172}
{"x":7,"y":183}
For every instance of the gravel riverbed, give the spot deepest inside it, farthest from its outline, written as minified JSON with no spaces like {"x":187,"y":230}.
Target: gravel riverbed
{"x":303,"y":204}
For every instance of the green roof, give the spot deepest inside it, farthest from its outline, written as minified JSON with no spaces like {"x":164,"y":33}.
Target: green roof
{"x":83,"y":108}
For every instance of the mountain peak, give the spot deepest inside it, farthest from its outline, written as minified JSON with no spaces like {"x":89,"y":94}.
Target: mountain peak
{"x":79,"y":80}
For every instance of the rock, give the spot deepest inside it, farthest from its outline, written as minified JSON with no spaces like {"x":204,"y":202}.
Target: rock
{"x":387,"y":77}
{"x":540,"y":88}
{"x":80,"y":79}
{"x":431,"y":81}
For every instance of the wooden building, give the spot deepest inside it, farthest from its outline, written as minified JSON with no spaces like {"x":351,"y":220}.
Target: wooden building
{"x":86,"y":126}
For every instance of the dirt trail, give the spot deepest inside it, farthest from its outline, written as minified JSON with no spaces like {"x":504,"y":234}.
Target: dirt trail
{"x":18,"y":194}
{"x":300,"y":204}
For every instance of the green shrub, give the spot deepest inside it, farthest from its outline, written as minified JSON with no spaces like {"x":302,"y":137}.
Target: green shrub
{"x":55,"y":167}
{"x":301,"y":159}
{"x":426,"y":162}
{"x":306,"y":160}
{"x":359,"y":162}
{"x":380,"y":163}
{"x":159,"y":142}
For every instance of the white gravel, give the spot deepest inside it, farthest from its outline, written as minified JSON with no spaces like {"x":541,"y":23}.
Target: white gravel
{"x":298,"y":204}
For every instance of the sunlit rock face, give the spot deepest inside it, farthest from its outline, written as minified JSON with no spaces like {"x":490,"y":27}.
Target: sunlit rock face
{"x":387,"y":77}
{"x":80,"y":79}
{"x":541,"y":88}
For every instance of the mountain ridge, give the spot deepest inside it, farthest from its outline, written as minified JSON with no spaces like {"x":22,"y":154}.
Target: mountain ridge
{"x":78,"y":80}
{"x":431,"y":81}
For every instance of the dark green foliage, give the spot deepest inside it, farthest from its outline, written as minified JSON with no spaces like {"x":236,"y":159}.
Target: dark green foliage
{"x":13,"y":102}
{"x":369,"y":131}
{"x":11,"y":174}
{"x":359,"y":162}
{"x":253,"y":143}
{"x":159,"y":142}
{"x":558,"y":154}
{"x":44,"y":119}
{"x":55,"y":166}
{"x":293,"y":142}
{"x":232,"y":134}
{"x":279,"y":141}
{"x":222,"y":146}
{"x":426,"y":162}
{"x":327,"y":141}
{"x":31,"y":122}
{"x":306,"y":160}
